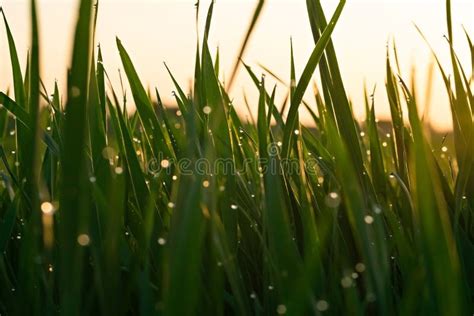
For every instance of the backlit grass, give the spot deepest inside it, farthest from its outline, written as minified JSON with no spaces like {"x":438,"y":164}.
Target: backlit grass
{"x":202,"y":213}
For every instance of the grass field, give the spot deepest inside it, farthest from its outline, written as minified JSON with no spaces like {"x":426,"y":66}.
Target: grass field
{"x":197,"y":212}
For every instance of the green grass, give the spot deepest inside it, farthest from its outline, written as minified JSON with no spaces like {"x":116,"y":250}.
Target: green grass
{"x":107,"y":213}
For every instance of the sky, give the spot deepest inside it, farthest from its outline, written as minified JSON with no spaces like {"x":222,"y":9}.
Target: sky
{"x":157,"y":31}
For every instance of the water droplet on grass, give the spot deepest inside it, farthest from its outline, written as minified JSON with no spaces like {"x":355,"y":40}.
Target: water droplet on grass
{"x":322,"y":305}
{"x":161,"y":241}
{"x":377,"y":209}
{"x":165,"y":163}
{"x":333,"y":200}
{"x":75,"y":91}
{"x":368,"y":219}
{"x":83,"y":240}
{"x":47,"y":208}
{"x":346,"y":282}
{"x":207,"y":110}
{"x":281,"y":309}
{"x":108,"y":153}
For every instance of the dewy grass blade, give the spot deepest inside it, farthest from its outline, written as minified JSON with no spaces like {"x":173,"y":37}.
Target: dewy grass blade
{"x":306,"y":78}
{"x":16,"y":69}
{"x":145,"y":110}
{"x":74,"y":198}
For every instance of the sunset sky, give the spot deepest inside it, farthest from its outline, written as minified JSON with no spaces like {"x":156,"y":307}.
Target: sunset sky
{"x":154,"y":31}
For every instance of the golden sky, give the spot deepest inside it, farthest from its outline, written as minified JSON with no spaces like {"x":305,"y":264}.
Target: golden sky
{"x":154,"y":31}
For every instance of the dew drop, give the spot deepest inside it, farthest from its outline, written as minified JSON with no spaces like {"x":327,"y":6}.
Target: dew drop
{"x":83,"y":240}
{"x":165,"y":163}
{"x":333,"y":200}
{"x":207,"y":110}
{"x":322,"y":305}
{"x":281,"y":309}
{"x":75,"y":91}
{"x":346,"y":282}
{"x":377,"y":209}
{"x":108,"y":153}
{"x":161,"y":241}
{"x":47,"y":208}
{"x":368,"y":219}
